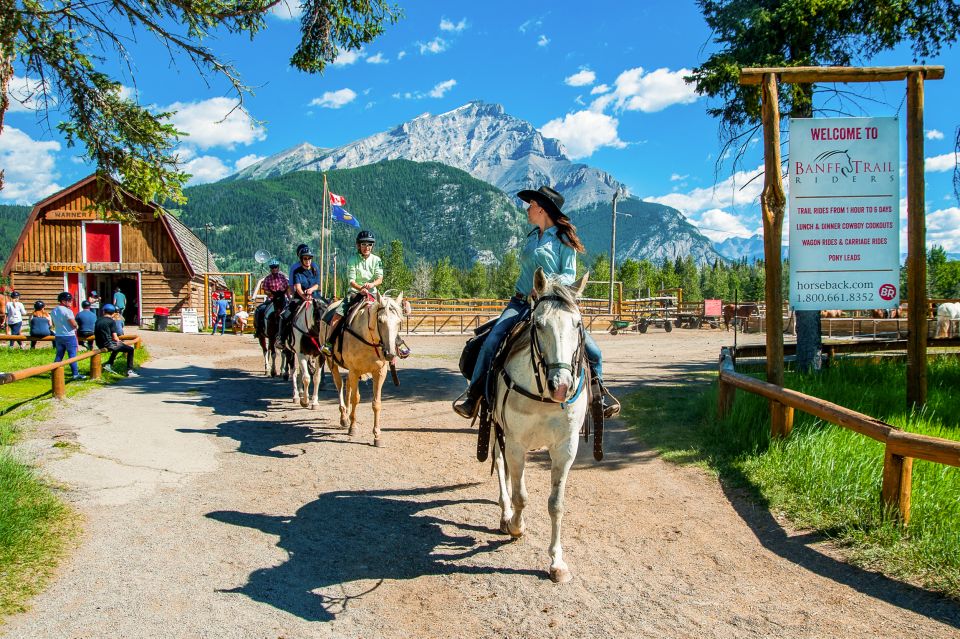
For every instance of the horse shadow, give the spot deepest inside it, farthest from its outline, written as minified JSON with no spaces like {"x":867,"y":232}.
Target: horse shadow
{"x":345,"y":544}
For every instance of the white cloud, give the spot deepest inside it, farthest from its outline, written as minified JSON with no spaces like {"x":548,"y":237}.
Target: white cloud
{"x":206,"y":168}
{"x":934,"y":134}
{"x":584,"y":132}
{"x":441,"y":88}
{"x":401,"y":55}
{"x":581,"y":78}
{"x":437,"y":45}
{"x":438,"y":91}
{"x":732,"y":192}
{"x":27,"y":95}
{"x":377,"y":59}
{"x":648,"y":92}
{"x":287,"y":10}
{"x":600,"y":88}
{"x":29,"y":167}
{"x":943,"y":228}
{"x":543,"y":41}
{"x":346,"y":58}
{"x":529,"y":24}
{"x":676,"y":177}
{"x":719,"y":225}
{"x":246,"y":161}
{"x":335,"y":99}
{"x":937,"y":163}
{"x":215,"y":122}
{"x":447,"y":25}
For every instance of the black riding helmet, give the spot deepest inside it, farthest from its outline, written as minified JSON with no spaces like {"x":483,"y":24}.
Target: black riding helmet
{"x":366,"y":236}
{"x":303,"y":250}
{"x":38,"y":305}
{"x":66,"y":296}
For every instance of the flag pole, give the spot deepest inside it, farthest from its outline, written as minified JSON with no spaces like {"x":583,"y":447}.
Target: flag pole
{"x":323,"y":234}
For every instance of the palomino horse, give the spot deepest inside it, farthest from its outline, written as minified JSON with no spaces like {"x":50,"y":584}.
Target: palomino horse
{"x":305,"y":344}
{"x":266,"y":326}
{"x":543,"y":404}
{"x":369,"y":346}
{"x":947,"y":314}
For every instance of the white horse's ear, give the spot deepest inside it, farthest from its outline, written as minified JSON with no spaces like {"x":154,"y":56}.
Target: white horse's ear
{"x":539,"y":281}
{"x":400,"y":298}
{"x":581,"y":284}
{"x":379,"y":299}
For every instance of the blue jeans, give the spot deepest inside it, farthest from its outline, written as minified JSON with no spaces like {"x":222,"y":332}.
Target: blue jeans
{"x":222,"y":321}
{"x":67,"y":344}
{"x":515,"y":311}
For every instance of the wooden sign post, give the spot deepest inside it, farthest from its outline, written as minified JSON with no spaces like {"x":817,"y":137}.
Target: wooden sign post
{"x":772,"y":204}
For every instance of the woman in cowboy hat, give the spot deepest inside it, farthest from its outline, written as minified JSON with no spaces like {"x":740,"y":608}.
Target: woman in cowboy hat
{"x":553,"y":246}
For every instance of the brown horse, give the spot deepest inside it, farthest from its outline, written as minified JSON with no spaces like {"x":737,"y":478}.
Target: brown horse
{"x":738,"y":314}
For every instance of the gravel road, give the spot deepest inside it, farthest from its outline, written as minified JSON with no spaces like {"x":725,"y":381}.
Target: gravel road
{"x":214,"y":507}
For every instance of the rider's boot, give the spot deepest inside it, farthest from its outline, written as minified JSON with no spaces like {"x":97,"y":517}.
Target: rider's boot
{"x":468,"y":404}
{"x":327,"y":349}
{"x":610,"y":404}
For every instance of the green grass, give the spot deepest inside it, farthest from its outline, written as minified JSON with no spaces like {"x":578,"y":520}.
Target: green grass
{"x":35,"y":526}
{"x":826,"y":477}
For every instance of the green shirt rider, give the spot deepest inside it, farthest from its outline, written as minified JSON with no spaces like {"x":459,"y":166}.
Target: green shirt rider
{"x":364,"y":275}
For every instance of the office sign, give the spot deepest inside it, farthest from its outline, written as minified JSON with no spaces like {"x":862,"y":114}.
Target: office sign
{"x":844,"y":230}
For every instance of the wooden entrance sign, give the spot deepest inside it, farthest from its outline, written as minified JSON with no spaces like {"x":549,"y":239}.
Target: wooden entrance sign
{"x":772,"y":203}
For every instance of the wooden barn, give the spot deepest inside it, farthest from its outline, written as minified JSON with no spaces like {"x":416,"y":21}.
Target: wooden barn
{"x":156,"y":261}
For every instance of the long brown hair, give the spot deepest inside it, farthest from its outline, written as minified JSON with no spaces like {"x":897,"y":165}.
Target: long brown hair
{"x":566,"y":231}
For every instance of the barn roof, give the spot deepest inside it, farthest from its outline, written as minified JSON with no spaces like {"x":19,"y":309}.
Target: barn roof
{"x":192,"y":250}
{"x":195,"y":253}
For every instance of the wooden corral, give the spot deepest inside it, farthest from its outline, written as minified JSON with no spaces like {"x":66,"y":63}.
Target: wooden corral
{"x":65,"y":246}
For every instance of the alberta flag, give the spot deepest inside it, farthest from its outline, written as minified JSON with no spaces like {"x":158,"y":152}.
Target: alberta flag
{"x":337,"y":212}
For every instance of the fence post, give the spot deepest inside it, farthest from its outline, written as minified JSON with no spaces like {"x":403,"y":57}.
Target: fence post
{"x":781,"y":420}
{"x":96,"y":370}
{"x":897,"y":480}
{"x":59,"y":383}
{"x":725,"y":391}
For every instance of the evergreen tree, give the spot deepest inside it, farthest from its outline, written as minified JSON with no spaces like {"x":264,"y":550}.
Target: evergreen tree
{"x":599,"y":272}
{"x":506,"y":275}
{"x":629,"y":274}
{"x":396,"y":275}
{"x":476,"y":281}
{"x":445,"y":282}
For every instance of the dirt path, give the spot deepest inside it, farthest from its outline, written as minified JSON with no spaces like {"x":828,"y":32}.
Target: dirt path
{"x":215,"y":508}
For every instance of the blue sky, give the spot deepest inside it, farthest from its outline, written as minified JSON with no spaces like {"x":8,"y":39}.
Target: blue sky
{"x":603,"y":77}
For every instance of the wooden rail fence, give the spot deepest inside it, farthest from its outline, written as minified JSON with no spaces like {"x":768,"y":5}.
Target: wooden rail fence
{"x":58,"y":377}
{"x":901,"y":448}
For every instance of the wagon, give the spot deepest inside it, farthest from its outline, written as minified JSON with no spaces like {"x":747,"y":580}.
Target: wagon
{"x":652,"y":311}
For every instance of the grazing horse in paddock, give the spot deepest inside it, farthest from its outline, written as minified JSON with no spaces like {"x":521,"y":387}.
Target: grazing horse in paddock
{"x":831,"y":314}
{"x":266,"y":326}
{"x":737,"y":314}
{"x":886,"y":313}
{"x":305,"y":343}
{"x":549,"y":356}
{"x":370,"y":344}
{"x":947,"y":314}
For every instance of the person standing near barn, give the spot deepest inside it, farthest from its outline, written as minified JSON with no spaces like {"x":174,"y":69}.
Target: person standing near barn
{"x":553,"y":246}
{"x":65,"y":332}
{"x":15,"y":313}
{"x":119,"y":300}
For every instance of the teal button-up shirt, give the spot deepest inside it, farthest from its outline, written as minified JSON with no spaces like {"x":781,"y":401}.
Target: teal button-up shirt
{"x":549,"y":253}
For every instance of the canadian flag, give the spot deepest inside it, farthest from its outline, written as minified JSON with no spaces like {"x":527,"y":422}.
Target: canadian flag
{"x":337,"y":200}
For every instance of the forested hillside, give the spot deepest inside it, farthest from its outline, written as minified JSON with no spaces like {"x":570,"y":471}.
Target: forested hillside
{"x":12,"y":218}
{"x":435,"y":210}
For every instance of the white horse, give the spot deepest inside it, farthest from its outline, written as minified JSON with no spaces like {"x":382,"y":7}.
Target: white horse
{"x":947,"y":314}
{"x":370,"y":345}
{"x":542,"y":405}
{"x":306,"y":341}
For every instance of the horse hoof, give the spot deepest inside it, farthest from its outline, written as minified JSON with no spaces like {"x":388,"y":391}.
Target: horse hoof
{"x":352,"y":432}
{"x":505,"y":526}
{"x":304,"y":403}
{"x":377,"y":443}
{"x":518,"y":533}
{"x":560,"y":575}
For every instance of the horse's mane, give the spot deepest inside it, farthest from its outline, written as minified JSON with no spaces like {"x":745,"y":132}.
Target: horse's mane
{"x":554,"y":287}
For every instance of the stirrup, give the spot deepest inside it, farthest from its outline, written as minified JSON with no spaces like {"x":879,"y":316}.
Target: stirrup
{"x":462,"y":405}
{"x":610,"y":404}
{"x":327,"y":349}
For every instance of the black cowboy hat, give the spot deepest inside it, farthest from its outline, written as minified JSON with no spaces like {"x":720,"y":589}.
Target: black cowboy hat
{"x":549,"y":199}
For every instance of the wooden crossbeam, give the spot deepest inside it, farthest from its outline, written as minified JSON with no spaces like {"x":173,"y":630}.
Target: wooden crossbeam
{"x":810,"y":75}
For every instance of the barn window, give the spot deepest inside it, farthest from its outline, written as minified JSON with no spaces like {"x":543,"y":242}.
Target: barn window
{"x":102,"y":242}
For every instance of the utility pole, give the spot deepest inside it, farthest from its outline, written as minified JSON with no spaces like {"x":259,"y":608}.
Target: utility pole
{"x":613,"y":247}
